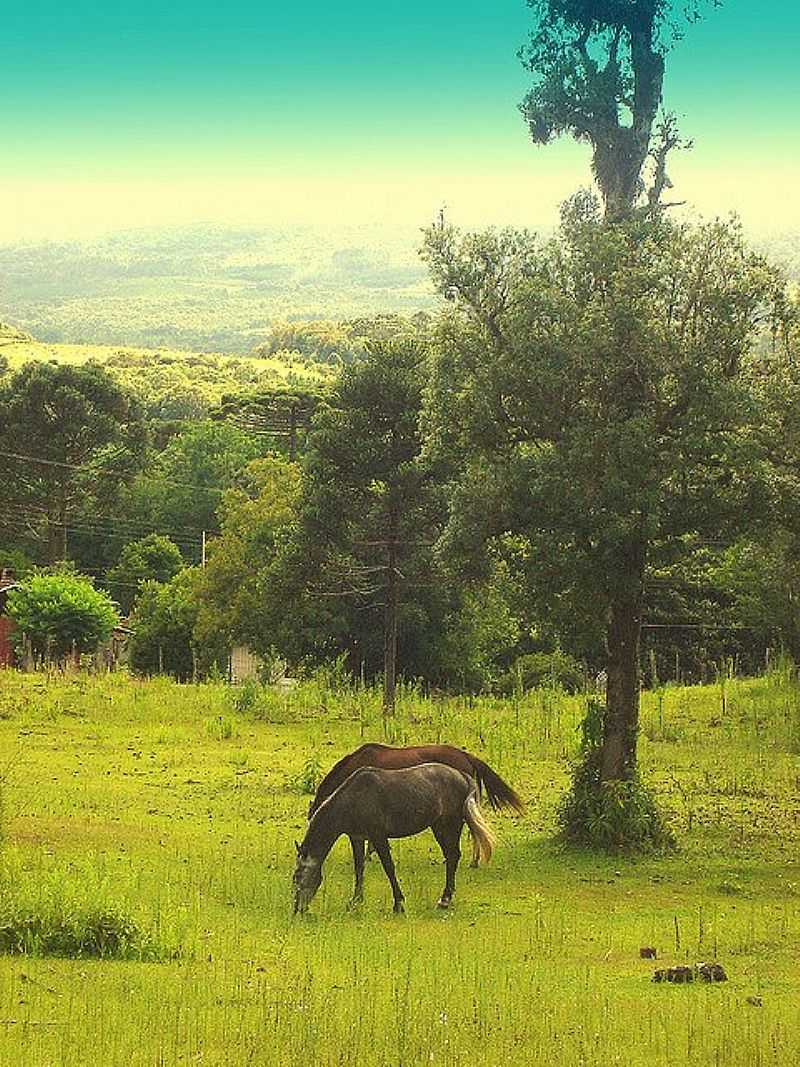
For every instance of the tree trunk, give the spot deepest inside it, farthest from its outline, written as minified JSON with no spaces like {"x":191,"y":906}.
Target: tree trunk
{"x":57,"y":527}
{"x":621,"y":723}
{"x":292,"y":433}
{"x":390,"y":633}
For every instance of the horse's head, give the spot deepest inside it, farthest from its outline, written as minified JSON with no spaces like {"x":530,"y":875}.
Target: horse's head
{"x":306,"y":880}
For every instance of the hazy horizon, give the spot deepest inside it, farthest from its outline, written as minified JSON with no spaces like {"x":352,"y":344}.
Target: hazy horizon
{"x":259,"y":116}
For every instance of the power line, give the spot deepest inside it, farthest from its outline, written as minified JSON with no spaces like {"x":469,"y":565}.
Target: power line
{"x":86,"y":468}
{"x":29,"y":511}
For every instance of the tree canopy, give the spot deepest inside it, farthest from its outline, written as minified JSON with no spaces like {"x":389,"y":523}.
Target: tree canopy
{"x":66,"y":434}
{"x":153,"y":557}
{"x":599,"y":67}
{"x":599,"y":390}
{"x":60,"y":611}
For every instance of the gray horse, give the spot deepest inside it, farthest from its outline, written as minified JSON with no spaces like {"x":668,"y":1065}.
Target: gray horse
{"x":374,"y":805}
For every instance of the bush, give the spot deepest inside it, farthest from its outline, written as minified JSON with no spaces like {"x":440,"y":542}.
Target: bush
{"x":60,"y":611}
{"x":67,"y":911}
{"x":613,"y":816}
{"x":544,"y":670}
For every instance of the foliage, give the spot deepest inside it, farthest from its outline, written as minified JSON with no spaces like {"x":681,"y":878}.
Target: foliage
{"x":543,"y":669}
{"x":59,"y":611}
{"x":86,"y":435}
{"x":599,"y":70}
{"x":152,"y":557}
{"x":358,"y":566}
{"x":309,"y":776}
{"x":609,"y":815}
{"x":597,"y":390}
{"x":483,"y":630}
{"x":163,"y":619}
{"x":68,"y":911}
{"x":235,"y":585}
{"x":183,"y":486}
{"x":17,"y":560}
{"x":279,"y":416}
{"x":339,"y":342}
{"x":185,"y":385}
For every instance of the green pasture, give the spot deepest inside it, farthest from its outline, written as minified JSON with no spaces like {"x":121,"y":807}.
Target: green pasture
{"x":171,"y":812}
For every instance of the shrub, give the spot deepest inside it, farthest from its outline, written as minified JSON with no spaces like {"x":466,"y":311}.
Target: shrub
{"x":544,"y":669}
{"x":309,"y":777}
{"x":612,"y":816}
{"x":68,"y":911}
{"x":59,"y":611}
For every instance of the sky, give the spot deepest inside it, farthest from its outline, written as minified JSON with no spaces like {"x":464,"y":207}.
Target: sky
{"x":119,"y":115}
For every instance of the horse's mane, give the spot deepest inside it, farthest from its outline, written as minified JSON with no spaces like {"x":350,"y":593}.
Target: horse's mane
{"x":338,"y":774}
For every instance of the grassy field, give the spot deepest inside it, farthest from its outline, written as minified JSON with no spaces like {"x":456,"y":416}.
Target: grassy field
{"x":75,"y":355}
{"x":174,"y":809}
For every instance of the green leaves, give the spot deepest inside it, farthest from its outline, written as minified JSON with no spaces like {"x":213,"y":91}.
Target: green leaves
{"x":152,"y":557}
{"x":59,"y":611}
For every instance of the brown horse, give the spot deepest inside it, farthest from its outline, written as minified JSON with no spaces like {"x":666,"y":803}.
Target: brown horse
{"x":374,"y":805}
{"x":498,"y":792}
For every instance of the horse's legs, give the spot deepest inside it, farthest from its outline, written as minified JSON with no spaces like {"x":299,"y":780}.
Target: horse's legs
{"x":381,"y":846}
{"x":449,"y":837}
{"x":357,"y":844}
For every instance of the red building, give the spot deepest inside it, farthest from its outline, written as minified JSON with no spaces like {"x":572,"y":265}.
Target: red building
{"x":7,"y":583}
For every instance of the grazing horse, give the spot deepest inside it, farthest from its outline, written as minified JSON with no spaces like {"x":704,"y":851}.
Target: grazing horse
{"x":498,"y":792}
{"x":376,"y":804}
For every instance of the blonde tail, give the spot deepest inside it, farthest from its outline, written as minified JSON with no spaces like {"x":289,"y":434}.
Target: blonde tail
{"x":482,"y":836}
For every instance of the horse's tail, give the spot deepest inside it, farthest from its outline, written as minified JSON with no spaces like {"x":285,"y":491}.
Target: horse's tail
{"x":482,"y":836}
{"x":499,"y":793}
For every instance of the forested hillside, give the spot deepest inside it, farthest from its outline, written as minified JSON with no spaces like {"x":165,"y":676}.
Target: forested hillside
{"x":207,"y":288}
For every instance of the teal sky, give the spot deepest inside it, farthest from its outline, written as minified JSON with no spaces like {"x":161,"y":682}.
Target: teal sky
{"x":126,"y":114}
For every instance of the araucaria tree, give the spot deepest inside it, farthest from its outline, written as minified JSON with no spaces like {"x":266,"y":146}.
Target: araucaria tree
{"x":598,"y":390}
{"x":67,"y":434}
{"x":360,"y":553}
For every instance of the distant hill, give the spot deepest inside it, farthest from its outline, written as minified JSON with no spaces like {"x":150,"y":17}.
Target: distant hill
{"x":214,"y":289}
{"x":208,"y":288}
{"x":10,"y":335}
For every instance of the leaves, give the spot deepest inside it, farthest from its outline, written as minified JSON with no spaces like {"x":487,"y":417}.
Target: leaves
{"x":59,"y":611}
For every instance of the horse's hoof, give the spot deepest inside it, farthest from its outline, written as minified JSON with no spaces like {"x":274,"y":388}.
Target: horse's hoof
{"x":473,"y":865}
{"x":354,"y":903}
{"x":442,"y":903}
{"x":399,"y":909}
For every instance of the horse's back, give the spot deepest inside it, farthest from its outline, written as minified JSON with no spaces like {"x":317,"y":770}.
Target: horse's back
{"x":399,"y":803}
{"x":387,"y":757}
{"x":391,"y":758}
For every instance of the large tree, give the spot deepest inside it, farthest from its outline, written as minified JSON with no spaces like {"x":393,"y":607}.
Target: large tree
{"x":67,"y":435}
{"x":598,"y":388}
{"x":598,"y":68}
{"x":358,"y":565}
{"x":151,"y":558}
{"x":279,"y":416}
{"x":237,"y":602}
